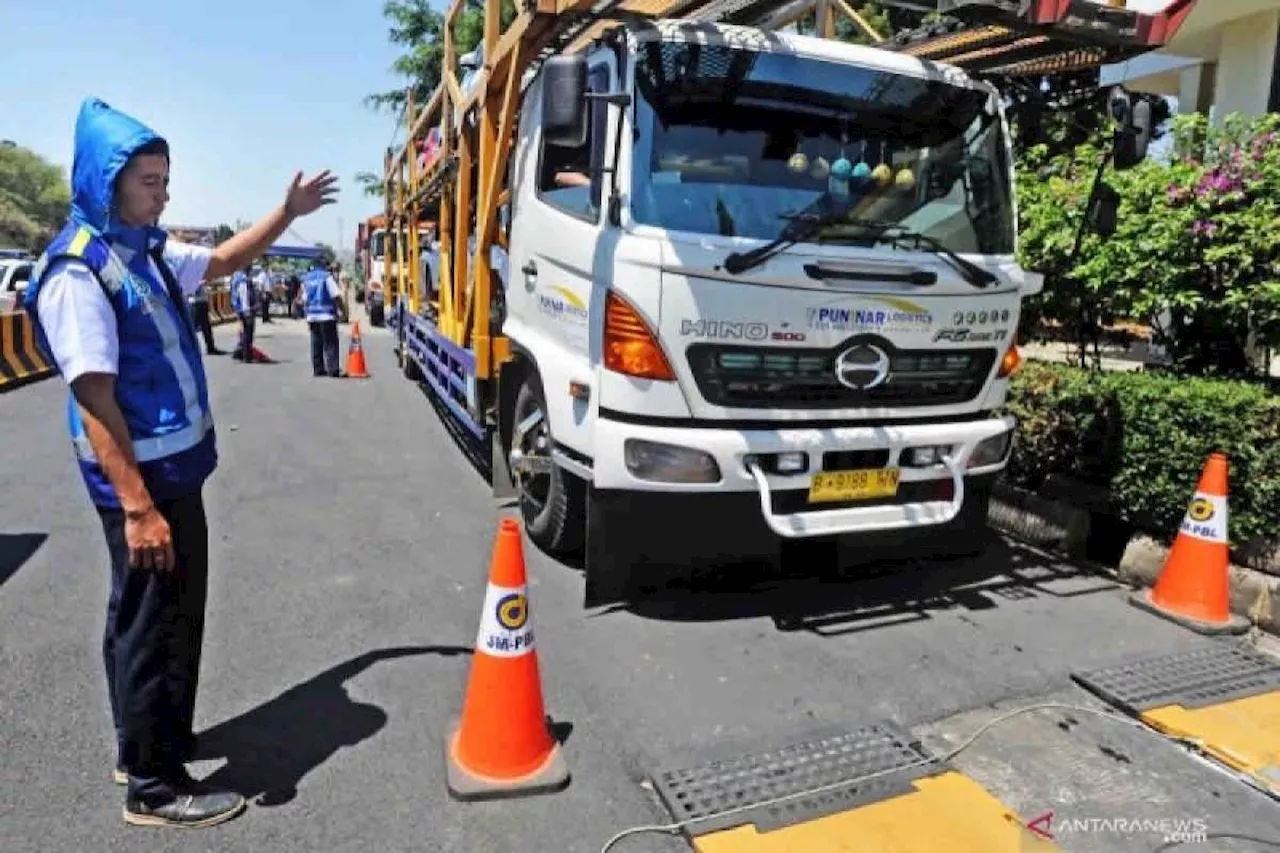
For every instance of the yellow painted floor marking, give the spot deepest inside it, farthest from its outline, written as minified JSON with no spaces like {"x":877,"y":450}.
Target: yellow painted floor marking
{"x":1244,"y":733}
{"x":948,"y":812}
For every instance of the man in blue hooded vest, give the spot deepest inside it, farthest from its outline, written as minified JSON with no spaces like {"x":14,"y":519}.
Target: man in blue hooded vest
{"x":107,"y":297}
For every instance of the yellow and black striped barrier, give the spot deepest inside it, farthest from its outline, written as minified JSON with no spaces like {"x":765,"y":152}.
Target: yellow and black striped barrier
{"x":21,"y":359}
{"x":220,"y":307}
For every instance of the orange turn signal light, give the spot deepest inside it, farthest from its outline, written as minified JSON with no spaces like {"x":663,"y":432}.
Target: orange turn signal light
{"x":630,"y":346}
{"x":1010,"y":363}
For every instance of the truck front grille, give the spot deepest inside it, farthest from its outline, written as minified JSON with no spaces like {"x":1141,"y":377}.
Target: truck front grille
{"x":803,"y":378}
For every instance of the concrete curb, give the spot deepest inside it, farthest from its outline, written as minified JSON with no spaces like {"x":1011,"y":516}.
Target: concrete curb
{"x":1059,"y":526}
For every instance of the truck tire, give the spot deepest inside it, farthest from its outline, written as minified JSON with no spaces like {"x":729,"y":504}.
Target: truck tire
{"x":553,"y":505}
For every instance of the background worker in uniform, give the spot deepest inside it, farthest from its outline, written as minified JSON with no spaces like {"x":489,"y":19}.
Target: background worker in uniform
{"x":292,"y":290}
{"x":107,"y":299}
{"x":243,"y":301}
{"x":199,"y":302}
{"x":262,"y":283}
{"x":322,"y":301}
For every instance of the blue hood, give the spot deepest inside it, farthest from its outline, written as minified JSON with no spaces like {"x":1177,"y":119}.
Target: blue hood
{"x":105,"y":139}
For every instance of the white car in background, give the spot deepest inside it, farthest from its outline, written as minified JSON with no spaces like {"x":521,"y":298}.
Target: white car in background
{"x":15,"y":275}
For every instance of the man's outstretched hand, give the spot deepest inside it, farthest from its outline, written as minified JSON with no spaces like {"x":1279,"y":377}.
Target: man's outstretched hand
{"x":304,"y":198}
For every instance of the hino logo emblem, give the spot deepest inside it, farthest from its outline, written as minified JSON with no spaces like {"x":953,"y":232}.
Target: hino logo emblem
{"x":862,"y":367}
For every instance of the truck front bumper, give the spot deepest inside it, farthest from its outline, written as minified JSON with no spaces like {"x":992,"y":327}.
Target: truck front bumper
{"x":934,"y":461}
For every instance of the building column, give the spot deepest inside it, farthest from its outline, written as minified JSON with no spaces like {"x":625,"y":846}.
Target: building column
{"x":1195,"y":89}
{"x":1246,"y":66}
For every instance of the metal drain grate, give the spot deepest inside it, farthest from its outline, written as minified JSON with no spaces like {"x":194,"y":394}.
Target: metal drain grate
{"x":699,"y":794}
{"x":1207,"y":676}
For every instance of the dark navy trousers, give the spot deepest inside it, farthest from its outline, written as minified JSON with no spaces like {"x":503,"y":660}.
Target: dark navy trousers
{"x":151,"y":648}
{"x":324,"y":347}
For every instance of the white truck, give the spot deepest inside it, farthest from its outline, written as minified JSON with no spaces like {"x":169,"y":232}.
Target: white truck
{"x":762,"y":289}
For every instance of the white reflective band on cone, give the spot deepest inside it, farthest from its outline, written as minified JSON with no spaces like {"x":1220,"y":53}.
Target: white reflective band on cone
{"x":505,"y":629}
{"x":1206,"y":518}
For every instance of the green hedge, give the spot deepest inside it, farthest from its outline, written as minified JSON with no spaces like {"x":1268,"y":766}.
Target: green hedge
{"x":1145,"y":437}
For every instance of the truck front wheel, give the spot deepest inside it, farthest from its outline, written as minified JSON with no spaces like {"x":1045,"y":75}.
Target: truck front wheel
{"x":552,"y":501}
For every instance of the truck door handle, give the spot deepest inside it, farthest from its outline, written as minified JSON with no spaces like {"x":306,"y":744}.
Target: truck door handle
{"x":529,"y":268}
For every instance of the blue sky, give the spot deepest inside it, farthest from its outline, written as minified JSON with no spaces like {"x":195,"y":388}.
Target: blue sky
{"x":246,"y":92}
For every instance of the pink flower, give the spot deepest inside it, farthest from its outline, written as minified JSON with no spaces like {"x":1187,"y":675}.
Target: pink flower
{"x":1204,"y":228}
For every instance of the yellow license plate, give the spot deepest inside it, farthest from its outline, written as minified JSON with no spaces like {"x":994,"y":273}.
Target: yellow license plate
{"x":853,"y":485}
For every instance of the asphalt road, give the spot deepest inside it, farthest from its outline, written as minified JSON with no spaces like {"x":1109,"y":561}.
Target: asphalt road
{"x":350,"y":541}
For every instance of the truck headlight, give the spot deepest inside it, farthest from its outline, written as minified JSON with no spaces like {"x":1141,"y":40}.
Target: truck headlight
{"x":669,"y":463}
{"x":926,"y":457}
{"x":991,"y":451}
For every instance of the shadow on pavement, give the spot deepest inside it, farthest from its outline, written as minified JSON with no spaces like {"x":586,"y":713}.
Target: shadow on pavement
{"x":270,"y":748}
{"x":16,"y":549}
{"x":849,"y":599}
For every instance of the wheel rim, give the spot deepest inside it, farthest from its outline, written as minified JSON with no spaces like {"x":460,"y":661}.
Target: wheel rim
{"x":533,"y":441}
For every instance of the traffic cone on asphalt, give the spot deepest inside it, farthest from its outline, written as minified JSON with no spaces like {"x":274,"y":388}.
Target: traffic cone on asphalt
{"x":502,"y":745}
{"x":355,"y":356}
{"x":1194,"y":587}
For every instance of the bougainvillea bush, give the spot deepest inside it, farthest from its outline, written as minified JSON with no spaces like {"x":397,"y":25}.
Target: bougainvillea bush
{"x":1198,"y":237}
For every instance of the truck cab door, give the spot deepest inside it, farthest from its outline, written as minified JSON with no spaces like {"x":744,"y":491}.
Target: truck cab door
{"x":558,"y":208}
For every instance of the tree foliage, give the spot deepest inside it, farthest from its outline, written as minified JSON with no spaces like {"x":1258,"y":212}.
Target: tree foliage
{"x":419,"y":29}
{"x":1196,"y":238}
{"x":222,"y":233}
{"x":34,"y":198}
{"x":370,"y":183}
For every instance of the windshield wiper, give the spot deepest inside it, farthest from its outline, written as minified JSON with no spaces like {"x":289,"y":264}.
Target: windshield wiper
{"x":824,"y":210}
{"x":891,"y":232}
{"x":827,"y":210}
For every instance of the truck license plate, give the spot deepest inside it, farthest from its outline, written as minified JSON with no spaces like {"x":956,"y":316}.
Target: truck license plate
{"x":853,"y":485}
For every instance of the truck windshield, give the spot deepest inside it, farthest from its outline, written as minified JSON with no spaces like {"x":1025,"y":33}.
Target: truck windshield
{"x":730,"y":141}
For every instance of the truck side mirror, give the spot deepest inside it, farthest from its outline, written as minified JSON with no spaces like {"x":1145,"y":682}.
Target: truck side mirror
{"x":1104,"y":209}
{"x":564,"y":103}
{"x":1134,"y":137}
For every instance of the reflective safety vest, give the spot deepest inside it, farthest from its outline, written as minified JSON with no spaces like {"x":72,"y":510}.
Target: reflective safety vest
{"x":320,"y":304}
{"x":161,"y":386}
{"x":244,"y":296}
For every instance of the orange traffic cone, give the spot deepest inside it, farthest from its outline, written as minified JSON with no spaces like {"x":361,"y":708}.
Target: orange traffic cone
{"x":502,"y":746}
{"x":355,"y":356}
{"x":1194,"y":586}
